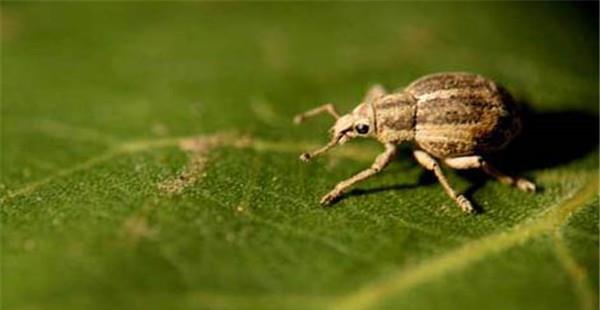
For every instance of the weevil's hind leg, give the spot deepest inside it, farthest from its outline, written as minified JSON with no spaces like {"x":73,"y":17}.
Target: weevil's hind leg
{"x":374,"y":92}
{"x":326,"y":108}
{"x":432,"y":165}
{"x":380,"y":162}
{"x":519,"y":182}
{"x":470,"y":162}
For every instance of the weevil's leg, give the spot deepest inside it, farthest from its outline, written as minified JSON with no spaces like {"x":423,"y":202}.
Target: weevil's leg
{"x":470,"y":162}
{"x":380,"y":162}
{"x":431,"y":164}
{"x":374,"y":92}
{"x":328,"y":108}
{"x":521,"y":183}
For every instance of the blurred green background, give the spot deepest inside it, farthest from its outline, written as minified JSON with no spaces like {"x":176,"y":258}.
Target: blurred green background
{"x":96,"y":97}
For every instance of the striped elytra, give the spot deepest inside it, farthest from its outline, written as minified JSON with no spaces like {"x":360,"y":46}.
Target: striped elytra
{"x":449,"y":115}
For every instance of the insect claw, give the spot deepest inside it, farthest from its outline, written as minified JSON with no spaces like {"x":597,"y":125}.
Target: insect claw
{"x":465,"y":204}
{"x":330,"y":198}
{"x":525,"y":185}
{"x":298,"y":119}
{"x":305,"y":157}
{"x":326,"y":201}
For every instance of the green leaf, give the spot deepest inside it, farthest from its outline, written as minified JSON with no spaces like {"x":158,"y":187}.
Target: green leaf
{"x":149,"y":159}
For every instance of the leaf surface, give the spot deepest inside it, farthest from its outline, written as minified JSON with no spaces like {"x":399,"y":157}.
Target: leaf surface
{"x":149,"y":159}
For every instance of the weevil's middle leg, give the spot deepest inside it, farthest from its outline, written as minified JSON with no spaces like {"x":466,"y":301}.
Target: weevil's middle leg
{"x":374,"y":92}
{"x":380,"y":162}
{"x":431,"y":164}
{"x":328,"y":108}
{"x":470,"y":162}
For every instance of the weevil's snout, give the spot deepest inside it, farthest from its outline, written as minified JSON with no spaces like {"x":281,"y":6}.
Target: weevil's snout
{"x":342,"y":130}
{"x":353,"y":125}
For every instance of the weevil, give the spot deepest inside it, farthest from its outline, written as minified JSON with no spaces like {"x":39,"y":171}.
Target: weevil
{"x":451,"y":118}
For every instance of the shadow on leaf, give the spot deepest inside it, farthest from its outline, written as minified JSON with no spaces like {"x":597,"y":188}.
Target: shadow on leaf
{"x":549,"y":139}
{"x":424,"y":179}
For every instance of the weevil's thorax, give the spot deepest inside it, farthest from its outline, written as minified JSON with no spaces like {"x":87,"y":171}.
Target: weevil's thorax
{"x":394,"y":116}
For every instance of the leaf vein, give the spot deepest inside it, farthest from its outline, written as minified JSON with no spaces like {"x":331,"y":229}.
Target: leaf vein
{"x":410,"y":276}
{"x":575,"y":272}
{"x":144,"y":145}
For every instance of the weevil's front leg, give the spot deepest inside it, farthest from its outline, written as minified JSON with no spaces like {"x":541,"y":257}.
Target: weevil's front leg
{"x":470,"y":162}
{"x":328,"y":108}
{"x":431,"y":164}
{"x":380,"y":162}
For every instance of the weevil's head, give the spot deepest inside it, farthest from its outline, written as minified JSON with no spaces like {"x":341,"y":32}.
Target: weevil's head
{"x":358,"y":123}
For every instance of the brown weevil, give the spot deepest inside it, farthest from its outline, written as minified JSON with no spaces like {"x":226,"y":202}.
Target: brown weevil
{"x":450,"y":118}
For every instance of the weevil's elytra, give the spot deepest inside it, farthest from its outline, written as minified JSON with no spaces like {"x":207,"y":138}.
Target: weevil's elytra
{"x":461,"y":114}
{"x":451,"y":118}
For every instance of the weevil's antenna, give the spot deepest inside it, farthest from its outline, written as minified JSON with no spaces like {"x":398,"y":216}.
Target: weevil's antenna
{"x":326,"y":108}
{"x":309,"y":155}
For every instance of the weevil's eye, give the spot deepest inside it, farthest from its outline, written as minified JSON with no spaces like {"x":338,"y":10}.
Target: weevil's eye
{"x":362,"y":128}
